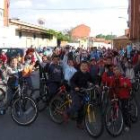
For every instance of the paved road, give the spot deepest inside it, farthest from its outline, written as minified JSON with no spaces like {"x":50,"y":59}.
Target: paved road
{"x":44,"y":129}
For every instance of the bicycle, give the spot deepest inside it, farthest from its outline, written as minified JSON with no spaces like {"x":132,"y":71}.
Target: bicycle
{"x":133,"y":107}
{"x":136,"y":85}
{"x":104,"y":99}
{"x":41,"y":95}
{"x":92,"y":119}
{"x":114,"y":121}
{"x":21,"y":106}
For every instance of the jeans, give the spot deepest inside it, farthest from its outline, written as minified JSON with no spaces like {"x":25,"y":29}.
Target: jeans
{"x":29,"y":81}
{"x":77,"y":107}
{"x":1,"y":75}
{"x":125,"y":112}
{"x":53,"y":88}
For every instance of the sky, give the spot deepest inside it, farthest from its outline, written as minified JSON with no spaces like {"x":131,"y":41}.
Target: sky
{"x":102,"y":16}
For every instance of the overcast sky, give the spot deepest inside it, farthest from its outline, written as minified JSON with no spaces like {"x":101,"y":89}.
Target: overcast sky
{"x":101,"y":16}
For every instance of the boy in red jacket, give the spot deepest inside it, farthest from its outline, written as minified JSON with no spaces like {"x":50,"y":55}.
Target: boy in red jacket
{"x":122,"y":87}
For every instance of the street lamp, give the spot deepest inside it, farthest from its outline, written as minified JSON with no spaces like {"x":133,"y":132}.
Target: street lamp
{"x":122,"y":18}
{"x":125,"y":19}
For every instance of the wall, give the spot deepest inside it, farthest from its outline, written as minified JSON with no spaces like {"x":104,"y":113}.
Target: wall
{"x":7,"y":36}
{"x":1,"y":12}
{"x":1,"y":18}
{"x":27,"y":39}
{"x":134,"y":20}
{"x":6,"y":12}
{"x":81,"y":31}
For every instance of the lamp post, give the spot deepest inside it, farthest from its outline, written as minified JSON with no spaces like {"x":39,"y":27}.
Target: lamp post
{"x":122,"y":18}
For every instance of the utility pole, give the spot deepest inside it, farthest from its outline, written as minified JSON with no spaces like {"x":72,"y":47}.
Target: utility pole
{"x":111,"y":41}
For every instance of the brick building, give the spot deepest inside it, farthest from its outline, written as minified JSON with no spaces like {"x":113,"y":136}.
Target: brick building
{"x":81,"y":34}
{"x":134,"y":20}
{"x":81,"y":31}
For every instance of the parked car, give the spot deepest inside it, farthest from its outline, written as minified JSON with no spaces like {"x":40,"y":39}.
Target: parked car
{"x":13,"y":52}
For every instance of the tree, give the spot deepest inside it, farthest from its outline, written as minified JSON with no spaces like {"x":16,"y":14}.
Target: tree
{"x":100,"y":36}
{"x":110,"y":37}
{"x":107,"y":37}
{"x":67,"y":32}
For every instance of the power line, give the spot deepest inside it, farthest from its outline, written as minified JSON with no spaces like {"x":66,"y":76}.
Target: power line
{"x":68,"y":9}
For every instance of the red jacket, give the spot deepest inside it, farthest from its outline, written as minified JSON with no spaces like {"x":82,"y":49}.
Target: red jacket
{"x":107,"y":80}
{"x":3,"y":58}
{"x":118,"y":87}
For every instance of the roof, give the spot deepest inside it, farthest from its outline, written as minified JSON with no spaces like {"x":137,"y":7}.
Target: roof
{"x":121,"y":37}
{"x":24,"y":25}
{"x":80,"y":26}
{"x":100,"y":40}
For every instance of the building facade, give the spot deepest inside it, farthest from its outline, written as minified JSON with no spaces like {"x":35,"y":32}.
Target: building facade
{"x":1,"y":13}
{"x":4,"y":12}
{"x":4,"y":21}
{"x":26,"y":34}
{"x":22,"y":34}
{"x":81,"y":35}
{"x":134,"y":20}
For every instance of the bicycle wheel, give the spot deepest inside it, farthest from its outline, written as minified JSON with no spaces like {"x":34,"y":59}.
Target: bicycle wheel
{"x":2,"y":97}
{"x":114,"y":121}
{"x":93,"y":121}
{"x":133,"y":110}
{"x":136,"y":86}
{"x":104,"y":102}
{"x":56,"y":107}
{"x":24,"y":111}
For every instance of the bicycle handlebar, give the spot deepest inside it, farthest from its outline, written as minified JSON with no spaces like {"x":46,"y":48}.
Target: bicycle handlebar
{"x":87,"y":89}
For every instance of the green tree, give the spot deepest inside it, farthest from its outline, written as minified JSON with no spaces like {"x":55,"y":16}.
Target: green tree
{"x":107,"y":37}
{"x":100,"y":36}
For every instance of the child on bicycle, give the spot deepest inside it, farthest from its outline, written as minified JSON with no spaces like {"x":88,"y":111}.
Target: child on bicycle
{"x":79,"y":80}
{"x":121,"y":87}
{"x":123,"y":91}
{"x":13,"y":73}
{"x":2,"y":72}
{"x":55,"y":75}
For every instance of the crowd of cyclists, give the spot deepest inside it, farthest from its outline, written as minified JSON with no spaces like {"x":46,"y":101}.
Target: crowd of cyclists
{"x":76,"y":68}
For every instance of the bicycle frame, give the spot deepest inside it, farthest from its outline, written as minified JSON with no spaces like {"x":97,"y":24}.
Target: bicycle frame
{"x":115,"y":105}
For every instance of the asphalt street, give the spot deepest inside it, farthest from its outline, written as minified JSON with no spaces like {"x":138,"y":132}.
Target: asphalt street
{"x":44,"y":129}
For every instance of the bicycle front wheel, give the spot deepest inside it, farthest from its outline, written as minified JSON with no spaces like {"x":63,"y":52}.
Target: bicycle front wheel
{"x":114,"y":121}
{"x":56,"y":108}
{"x":133,"y":110}
{"x":94,"y":121}
{"x":24,"y":111}
{"x":2,"y":97}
